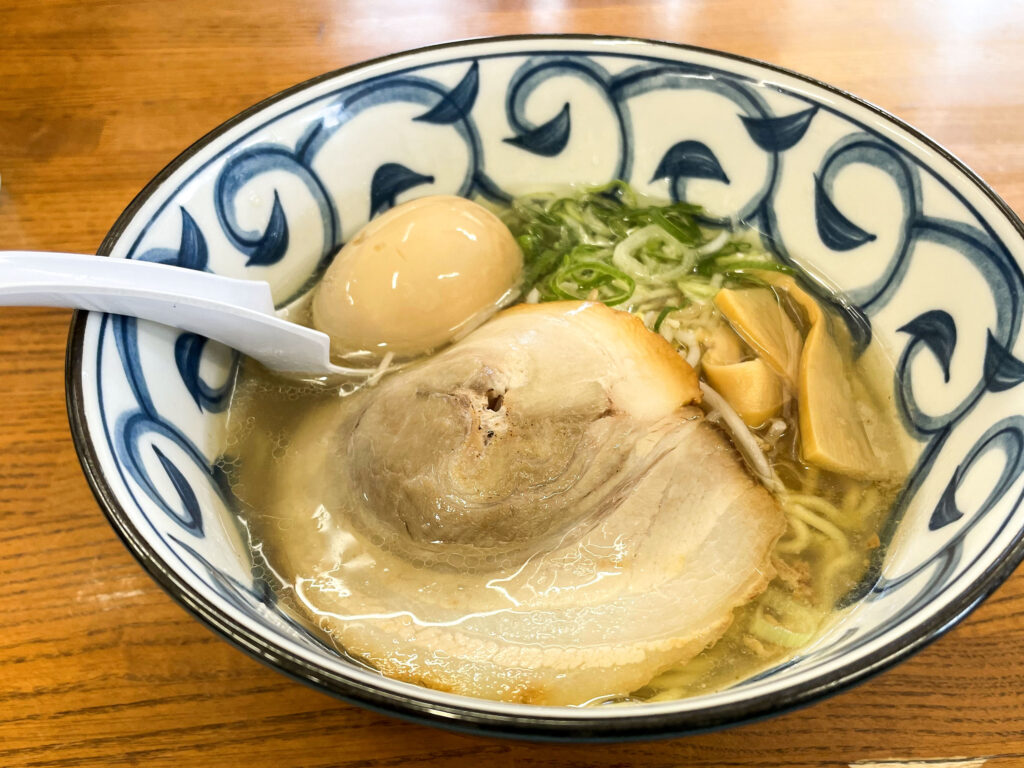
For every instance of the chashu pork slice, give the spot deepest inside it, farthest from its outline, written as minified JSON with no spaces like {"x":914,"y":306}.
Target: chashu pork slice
{"x":538,"y":514}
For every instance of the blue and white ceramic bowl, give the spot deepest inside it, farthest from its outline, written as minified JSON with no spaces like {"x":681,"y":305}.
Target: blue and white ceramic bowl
{"x":930,"y":255}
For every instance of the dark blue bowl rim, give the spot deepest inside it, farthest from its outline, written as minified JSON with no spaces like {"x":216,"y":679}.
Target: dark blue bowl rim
{"x":465,"y":718}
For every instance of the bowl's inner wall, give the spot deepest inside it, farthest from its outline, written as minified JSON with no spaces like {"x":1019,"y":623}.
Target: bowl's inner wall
{"x":921,"y":250}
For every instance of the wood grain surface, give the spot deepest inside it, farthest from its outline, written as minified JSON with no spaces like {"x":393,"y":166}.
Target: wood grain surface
{"x":99,"y":668}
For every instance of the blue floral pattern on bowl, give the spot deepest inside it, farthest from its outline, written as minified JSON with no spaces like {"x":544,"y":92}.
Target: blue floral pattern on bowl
{"x":928,"y":258}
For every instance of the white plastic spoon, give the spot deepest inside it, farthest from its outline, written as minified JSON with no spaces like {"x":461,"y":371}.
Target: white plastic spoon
{"x":238,"y":313}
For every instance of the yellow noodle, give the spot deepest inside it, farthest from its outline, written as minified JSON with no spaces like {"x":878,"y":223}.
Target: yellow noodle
{"x":816,"y":521}
{"x":823,"y":507}
{"x":791,"y":545}
{"x":852,"y":498}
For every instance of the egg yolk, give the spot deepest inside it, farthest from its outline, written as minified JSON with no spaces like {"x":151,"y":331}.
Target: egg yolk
{"x":417,"y":277}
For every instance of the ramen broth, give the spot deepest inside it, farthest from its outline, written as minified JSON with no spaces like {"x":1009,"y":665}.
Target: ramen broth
{"x":830,"y":548}
{"x":817,"y":567}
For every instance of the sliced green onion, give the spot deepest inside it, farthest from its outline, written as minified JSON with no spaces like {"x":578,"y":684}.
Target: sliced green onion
{"x":577,"y":280}
{"x":794,"y":625}
{"x":697,"y":288}
{"x":715,"y":244}
{"x":689,"y":236}
{"x":660,"y":247}
{"x":665,"y":312}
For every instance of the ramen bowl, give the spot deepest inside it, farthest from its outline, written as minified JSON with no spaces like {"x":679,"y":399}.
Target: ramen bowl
{"x":925,"y":251}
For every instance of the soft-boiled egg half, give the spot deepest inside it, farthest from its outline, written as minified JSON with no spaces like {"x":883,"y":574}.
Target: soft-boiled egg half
{"x":417,"y":277}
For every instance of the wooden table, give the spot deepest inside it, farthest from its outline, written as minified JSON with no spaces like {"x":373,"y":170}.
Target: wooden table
{"x":98,"y":667}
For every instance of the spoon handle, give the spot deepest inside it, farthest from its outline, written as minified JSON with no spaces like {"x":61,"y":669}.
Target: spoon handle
{"x":238,"y":313}
{"x":29,"y":278}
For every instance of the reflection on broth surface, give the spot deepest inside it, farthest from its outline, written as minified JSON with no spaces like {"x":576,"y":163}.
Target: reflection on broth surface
{"x":554,"y":509}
